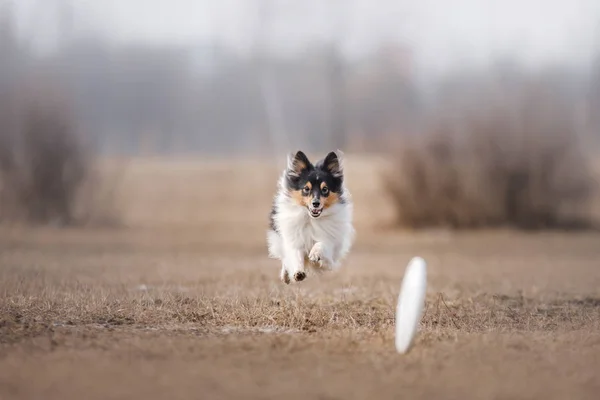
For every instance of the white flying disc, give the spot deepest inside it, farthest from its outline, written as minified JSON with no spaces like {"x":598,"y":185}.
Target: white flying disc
{"x":410,"y":303}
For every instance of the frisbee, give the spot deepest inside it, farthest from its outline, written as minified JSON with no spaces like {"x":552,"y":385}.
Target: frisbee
{"x":410,"y":303}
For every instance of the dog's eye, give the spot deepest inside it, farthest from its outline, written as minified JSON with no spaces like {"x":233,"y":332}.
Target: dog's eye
{"x":325,"y":190}
{"x":306,"y":190}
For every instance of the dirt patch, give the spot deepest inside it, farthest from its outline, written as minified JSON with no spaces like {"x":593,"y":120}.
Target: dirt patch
{"x":183,"y":311}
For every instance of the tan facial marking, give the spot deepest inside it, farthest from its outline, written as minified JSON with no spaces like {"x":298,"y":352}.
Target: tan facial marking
{"x":330,"y":200}
{"x":297,"y":196}
{"x":300,"y":198}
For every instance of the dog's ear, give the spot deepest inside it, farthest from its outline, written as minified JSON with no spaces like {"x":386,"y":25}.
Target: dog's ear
{"x":333,"y":164}
{"x":296,"y":163}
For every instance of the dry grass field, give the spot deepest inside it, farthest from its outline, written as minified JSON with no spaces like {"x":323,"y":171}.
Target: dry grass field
{"x":182,"y":302}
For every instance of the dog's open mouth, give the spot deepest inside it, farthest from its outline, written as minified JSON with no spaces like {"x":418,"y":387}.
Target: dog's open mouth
{"x":315,"y":212}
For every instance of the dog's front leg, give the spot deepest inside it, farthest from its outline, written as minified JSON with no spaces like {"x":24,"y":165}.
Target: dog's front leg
{"x":284,"y":274}
{"x":322,"y":254}
{"x":294,"y":264}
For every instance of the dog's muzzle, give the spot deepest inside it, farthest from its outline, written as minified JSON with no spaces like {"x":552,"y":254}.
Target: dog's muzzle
{"x":315,"y":209}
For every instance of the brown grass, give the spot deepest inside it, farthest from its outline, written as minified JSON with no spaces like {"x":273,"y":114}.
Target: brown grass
{"x":509,"y":157}
{"x":176,"y":308}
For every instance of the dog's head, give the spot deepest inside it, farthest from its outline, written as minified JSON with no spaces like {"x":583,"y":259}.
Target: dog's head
{"x":316,"y":187}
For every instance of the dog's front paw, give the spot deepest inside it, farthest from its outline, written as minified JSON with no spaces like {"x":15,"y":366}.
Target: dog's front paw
{"x":317,"y":255}
{"x":299,"y":276}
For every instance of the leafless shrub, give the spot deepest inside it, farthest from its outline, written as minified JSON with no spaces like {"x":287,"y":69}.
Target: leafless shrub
{"x":44,"y":164}
{"x":511,"y":157}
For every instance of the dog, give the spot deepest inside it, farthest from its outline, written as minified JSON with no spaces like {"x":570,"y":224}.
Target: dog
{"x":311,"y":217}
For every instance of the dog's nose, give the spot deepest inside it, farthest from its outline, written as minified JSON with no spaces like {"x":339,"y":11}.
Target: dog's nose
{"x":316,"y":203}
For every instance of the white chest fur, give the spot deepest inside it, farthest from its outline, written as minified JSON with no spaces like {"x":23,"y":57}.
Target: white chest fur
{"x":300,"y":231}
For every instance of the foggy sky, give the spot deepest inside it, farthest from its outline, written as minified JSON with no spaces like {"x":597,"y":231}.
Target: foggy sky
{"x":441,"y":36}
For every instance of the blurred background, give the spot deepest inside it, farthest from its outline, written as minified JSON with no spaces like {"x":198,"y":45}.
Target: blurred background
{"x":485,"y":112}
{"x":140,"y":146}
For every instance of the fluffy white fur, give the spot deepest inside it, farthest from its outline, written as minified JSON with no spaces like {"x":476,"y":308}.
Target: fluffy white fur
{"x":301,"y":241}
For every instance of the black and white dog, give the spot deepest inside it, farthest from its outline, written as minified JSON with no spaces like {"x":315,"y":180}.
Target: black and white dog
{"x":311,"y":218}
